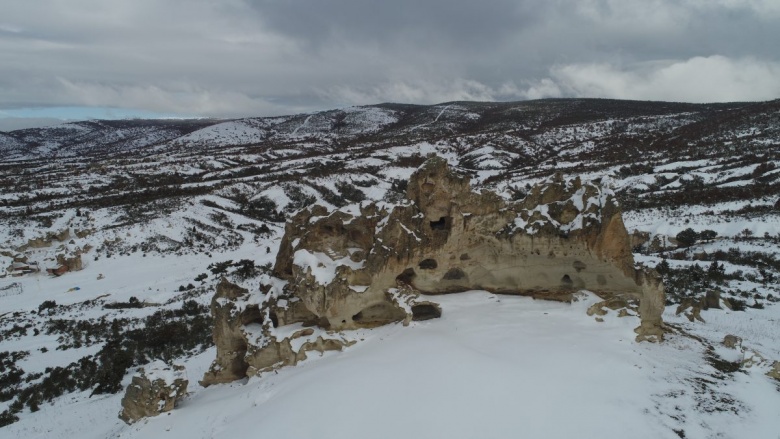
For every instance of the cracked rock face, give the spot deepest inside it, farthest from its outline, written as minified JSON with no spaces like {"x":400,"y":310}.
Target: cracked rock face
{"x":367,"y":265}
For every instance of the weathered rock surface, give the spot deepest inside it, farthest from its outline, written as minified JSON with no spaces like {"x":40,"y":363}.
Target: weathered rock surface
{"x":774,"y":372}
{"x":248,"y":342}
{"x":70,"y":260}
{"x":46,"y":241}
{"x":563,"y":237}
{"x":732,"y":341}
{"x":368,"y":264}
{"x":156,"y":389}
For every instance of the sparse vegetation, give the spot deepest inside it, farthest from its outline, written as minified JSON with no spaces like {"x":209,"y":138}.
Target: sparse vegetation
{"x":166,"y":335}
{"x":168,"y":198}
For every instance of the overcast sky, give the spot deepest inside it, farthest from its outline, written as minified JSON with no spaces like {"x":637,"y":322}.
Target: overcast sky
{"x":226,"y":58}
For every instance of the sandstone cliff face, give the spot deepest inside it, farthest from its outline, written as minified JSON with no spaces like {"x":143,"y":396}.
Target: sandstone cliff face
{"x":366,"y":265}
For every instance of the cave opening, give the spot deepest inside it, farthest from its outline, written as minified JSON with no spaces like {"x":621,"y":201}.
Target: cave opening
{"x":406,"y":276}
{"x":376,"y":315}
{"x":454,"y":274}
{"x":251,"y":315}
{"x":442,"y":223}
{"x":428,"y":264}
{"x":425,"y":311}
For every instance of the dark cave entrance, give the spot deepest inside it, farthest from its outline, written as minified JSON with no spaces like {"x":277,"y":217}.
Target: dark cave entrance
{"x":425,"y":311}
{"x":443,"y":223}
{"x":407,"y":276}
{"x":428,"y":264}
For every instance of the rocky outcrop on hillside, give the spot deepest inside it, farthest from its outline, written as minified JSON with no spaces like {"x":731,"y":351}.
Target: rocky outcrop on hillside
{"x":46,"y":241}
{"x":251,"y":340}
{"x":154,"y":390}
{"x":562,"y":237}
{"x":368,"y":264}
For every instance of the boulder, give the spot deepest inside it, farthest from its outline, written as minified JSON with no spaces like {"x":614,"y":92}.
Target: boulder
{"x":71,"y":261}
{"x":712,"y":300}
{"x":774,"y":372}
{"x":155,"y":389}
{"x":732,"y":341}
{"x":639,"y":239}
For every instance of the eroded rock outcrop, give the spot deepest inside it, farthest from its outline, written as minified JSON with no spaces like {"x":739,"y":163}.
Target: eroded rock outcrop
{"x":368,"y":264}
{"x":156,"y":389}
{"x":70,"y":260}
{"x":563,"y":237}
{"x":251,"y":340}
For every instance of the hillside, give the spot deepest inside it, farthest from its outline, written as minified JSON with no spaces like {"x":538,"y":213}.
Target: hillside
{"x":160,"y":210}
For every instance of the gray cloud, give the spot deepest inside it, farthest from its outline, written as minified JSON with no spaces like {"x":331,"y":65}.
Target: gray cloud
{"x":20,"y":123}
{"x":258,"y":57}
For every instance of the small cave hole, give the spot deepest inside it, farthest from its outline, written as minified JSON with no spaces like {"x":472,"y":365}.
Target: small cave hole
{"x":566,"y":281}
{"x":579,"y":266}
{"x":323,"y":323}
{"x":442,"y":224}
{"x":378,"y":314}
{"x":274,"y":319}
{"x":425,"y":311}
{"x":465,"y":257}
{"x":428,"y":264}
{"x":406,"y":277}
{"x":251,"y":315}
{"x":454,"y":274}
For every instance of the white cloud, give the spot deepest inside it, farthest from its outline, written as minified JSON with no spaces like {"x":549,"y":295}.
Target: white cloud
{"x":10,"y":28}
{"x":546,"y":88}
{"x":418,"y":92}
{"x":182,"y":98}
{"x":699,"y":79}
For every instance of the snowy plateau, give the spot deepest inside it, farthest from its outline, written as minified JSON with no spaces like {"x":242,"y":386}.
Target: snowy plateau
{"x":115,"y":234}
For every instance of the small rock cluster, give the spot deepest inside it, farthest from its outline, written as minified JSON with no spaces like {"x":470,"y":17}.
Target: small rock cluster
{"x":751,"y":358}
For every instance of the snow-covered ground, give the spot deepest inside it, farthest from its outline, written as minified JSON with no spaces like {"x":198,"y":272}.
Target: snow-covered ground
{"x":491,"y":367}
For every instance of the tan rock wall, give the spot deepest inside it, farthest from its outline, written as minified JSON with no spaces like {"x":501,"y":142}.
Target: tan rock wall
{"x":565,"y":236}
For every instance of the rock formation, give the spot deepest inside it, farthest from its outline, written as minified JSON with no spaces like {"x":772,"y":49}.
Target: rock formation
{"x":70,"y":260}
{"x":156,"y":389}
{"x":366,"y":265}
{"x":248,"y":340}
{"x":563,"y":237}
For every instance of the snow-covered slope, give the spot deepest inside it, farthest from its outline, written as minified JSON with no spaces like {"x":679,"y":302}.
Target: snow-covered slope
{"x":160,"y":210}
{"x":492,"y":366}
